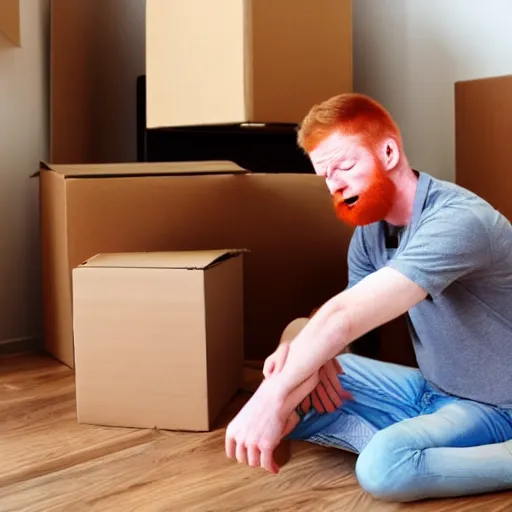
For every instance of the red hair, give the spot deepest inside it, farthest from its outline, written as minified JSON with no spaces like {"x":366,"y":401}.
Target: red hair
{"x":352,"y":114}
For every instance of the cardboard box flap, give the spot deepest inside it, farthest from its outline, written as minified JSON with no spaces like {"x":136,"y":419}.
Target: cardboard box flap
{"x":189,"y":260}
{"x":143,"y":169}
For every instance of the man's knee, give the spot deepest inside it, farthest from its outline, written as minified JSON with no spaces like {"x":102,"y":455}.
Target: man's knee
{"x":387,"y":469}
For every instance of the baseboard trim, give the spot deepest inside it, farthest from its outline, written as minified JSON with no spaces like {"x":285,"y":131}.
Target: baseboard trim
{"x":20,"y":345}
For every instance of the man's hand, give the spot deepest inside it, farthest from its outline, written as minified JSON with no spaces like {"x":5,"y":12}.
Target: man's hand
{"x":329,"y":393}
{"x":266,"y":418}
{"x":275,"y":361}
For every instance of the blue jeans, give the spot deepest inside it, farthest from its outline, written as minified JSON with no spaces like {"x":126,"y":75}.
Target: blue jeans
{"x":413,"y":441}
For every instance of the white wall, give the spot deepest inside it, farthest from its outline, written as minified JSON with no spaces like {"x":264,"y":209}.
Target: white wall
{"x":409,"y":53}
{"x":23,"y":143}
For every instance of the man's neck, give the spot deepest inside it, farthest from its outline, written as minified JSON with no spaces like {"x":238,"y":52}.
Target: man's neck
{"x":406,"y":181}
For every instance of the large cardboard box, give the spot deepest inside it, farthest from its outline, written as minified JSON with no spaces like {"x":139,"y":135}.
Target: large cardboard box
{"x":483,"y":127}
{"x":298,"y":248}
{"x":97,"y":51}
{"x":240,"y":61}
{"x":158,"y":338}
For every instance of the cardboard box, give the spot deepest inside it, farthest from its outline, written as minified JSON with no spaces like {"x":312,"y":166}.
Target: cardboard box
{"x":241,"y":61}
{"x":97,"y":51}
{"x":10,"y":25}
{"x":483,"y":125}
{"x":298,"y":248}
{"x":158,"y":338}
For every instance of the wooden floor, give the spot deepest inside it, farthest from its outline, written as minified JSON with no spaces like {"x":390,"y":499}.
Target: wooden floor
{"x":50,"y":463}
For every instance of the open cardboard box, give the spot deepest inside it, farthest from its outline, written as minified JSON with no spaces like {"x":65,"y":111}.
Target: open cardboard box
{"x":158,"y":337}
{"x":298,"y":248}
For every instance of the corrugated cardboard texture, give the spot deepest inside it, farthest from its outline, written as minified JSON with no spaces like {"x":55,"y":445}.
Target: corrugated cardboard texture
{"x":297,"y":247}
{"x":235,"y":61}
{"x":10,"y":20}
{"x":157,"y":347}
{"x":483,"y":130}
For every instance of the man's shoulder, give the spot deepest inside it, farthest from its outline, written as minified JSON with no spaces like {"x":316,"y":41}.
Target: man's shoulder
{"x":445,"y":194}
{"x":451,"y":204}
{"x":457,"y":221}
{"x":444,"y":213}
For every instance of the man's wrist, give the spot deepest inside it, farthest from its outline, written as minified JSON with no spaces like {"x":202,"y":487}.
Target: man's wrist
{"x":281,"y":387}
{"x":276,"y":391}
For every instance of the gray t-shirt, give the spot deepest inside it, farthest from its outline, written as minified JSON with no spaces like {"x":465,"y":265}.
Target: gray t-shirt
{"x":459,"y":249}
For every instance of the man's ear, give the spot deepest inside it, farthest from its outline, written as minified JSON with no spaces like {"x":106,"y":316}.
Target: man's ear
{"x":390,"y":153}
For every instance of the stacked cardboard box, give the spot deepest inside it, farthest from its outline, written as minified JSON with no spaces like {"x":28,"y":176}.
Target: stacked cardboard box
{"x":207,"y":63}
{"x":252,"y":61}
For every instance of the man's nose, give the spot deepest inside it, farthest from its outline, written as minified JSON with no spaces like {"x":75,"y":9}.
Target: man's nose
{"x":334,"y":184}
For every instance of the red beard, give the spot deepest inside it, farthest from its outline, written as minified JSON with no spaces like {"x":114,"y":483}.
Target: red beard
{"x":373,"y":204}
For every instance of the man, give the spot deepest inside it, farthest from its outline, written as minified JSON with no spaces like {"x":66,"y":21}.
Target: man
{"x":424,"y":247}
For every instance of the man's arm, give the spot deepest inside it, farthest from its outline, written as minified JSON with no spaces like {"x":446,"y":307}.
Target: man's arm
{"x":380,"y":297}
{"x":375,"y":300}
{"x":360,"y":266}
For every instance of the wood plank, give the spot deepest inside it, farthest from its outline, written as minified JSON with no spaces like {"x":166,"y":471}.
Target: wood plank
{"x":39,"y":432}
